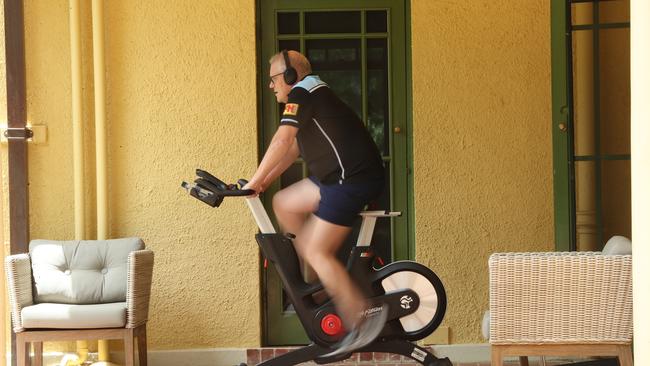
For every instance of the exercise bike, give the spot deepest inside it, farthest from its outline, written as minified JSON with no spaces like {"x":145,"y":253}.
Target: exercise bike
{"x":415,"y":296}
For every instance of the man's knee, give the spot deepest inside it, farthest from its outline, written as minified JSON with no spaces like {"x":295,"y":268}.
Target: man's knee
{"x":294,"y":201}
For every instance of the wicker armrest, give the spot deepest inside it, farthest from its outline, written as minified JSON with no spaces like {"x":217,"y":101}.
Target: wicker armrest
{"x":138,"y":288}
{"x":19,"y":286}
{"x":560,"y":297}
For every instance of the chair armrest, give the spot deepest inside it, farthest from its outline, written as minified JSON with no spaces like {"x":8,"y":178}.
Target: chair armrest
{"x":19,"y":286}
{"x":138,"y":287}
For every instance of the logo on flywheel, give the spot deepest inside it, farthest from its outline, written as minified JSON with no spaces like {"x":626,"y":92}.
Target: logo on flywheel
{"x":405,"y":302}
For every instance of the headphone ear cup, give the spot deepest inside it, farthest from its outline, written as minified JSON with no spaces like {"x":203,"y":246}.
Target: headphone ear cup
{"x":290,"y":76}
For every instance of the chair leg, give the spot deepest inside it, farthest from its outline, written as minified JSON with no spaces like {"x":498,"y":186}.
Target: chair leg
{"x":129,"y":359}
{"x":523,"y":360}
{"x":142,"y":345}
{"x":21,"y":352}
{"x":625,"y":355}
{"x":38,"y":353}
{"x":496,"y":356}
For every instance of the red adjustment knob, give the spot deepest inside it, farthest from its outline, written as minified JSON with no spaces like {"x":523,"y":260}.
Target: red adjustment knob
{"x":331,"y":325}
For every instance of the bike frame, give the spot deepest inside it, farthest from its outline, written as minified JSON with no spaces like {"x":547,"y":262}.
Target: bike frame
{"x":279,"y":248}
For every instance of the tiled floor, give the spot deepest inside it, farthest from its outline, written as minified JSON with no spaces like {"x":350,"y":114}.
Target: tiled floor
{"x":409,"y":363}
{"x":256,"y":356}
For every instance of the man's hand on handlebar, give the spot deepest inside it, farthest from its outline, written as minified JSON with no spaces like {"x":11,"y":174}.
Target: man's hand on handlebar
{"x":256,"y":186}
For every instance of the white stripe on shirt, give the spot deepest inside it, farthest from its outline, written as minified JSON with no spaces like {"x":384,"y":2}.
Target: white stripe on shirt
{"x":334,"y":148}
{"x":289,"y":120}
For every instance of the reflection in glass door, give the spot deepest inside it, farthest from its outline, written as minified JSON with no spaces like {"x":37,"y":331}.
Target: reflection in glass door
{"x":360,"y":54}
{"x":600,"y":63}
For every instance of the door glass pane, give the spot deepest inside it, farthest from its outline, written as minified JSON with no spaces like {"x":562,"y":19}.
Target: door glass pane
{"x":614,"y":11}
{"x":615,"y":91}
{"x":289,"y":44}
{"x":288,"y":23}
{"x":338,"y":63}
{"x":586,"y":223}
{"x":376,"y":21}
{"x":378,"y":106}
{"x":582,"y":13}
{"x":332,"y":22}
{"x":616,"y":199}
{"x":381,"y":238}
{"x":583,"y":93}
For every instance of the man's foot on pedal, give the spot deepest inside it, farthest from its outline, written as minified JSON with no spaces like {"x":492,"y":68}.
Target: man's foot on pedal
{"x":364,"y":334}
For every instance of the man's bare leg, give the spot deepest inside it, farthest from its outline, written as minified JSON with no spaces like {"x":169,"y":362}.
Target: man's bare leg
{"x":318,"y":243}
{"x":292,"y":205}
{"x":320,"y":240}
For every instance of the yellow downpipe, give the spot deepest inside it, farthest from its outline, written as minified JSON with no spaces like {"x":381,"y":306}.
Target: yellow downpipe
{"x":77,"y":141}
{"x":77,"y":127}
{"x":100,"y":144}
{"x":100,"y":119}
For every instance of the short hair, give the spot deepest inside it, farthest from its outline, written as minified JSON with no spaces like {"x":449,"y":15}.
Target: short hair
{"x":298,"y":61}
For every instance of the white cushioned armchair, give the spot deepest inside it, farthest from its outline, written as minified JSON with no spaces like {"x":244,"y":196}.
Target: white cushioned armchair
{"x":72,"y":290}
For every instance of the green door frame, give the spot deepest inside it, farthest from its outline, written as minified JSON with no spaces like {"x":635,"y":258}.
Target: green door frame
{"x":399,"y":63}
{"x":562,"y":126}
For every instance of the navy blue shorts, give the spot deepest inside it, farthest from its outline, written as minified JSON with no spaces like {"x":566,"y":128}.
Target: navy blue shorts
{"x":340,"y":204}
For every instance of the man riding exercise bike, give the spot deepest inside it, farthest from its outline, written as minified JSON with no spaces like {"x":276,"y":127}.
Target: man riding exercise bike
{"x":415,"y":296}
{"x":347,"y":173}
{"x":317,"y":214}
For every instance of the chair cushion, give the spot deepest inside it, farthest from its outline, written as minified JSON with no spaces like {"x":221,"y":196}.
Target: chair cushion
{"x":66,"y":316}
{"x":81,"y":272}
{"x":618,"y":245}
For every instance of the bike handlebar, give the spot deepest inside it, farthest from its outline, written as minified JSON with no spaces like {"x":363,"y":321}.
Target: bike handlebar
{"x":237,"y":193}
{"x":211,"y":190}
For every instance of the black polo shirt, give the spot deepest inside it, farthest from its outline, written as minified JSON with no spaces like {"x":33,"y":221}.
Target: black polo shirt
{"x":332,"y":139}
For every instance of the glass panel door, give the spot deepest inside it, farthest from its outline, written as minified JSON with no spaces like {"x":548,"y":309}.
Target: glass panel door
{"x":596,"y":77}
{"x":359,"y":53}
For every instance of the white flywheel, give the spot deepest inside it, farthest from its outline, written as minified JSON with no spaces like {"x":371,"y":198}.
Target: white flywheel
{"x":423,"y":288}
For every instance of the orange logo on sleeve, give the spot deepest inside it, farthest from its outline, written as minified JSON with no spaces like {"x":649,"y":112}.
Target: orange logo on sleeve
{"x":291,"y":109}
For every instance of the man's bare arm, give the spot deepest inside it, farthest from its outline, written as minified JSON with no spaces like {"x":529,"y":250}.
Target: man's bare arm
{"x":280,"y":146}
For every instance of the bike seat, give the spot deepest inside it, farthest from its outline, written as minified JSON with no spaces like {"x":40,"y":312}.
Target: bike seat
{"x":380,"y":213}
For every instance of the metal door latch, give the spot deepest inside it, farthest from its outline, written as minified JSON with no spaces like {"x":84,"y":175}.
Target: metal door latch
{"x":33,"y":134}
{"x":18,"y":133}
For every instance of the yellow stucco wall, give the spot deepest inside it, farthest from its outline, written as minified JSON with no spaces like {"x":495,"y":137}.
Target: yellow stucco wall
{"x":5,"y":321}
{"x":181,"y":94}
{"x":482,"y":150}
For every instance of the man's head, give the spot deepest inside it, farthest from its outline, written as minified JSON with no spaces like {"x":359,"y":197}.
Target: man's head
{"x":280,"y":87}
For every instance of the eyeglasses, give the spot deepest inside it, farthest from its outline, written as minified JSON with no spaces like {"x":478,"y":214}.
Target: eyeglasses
{"x":272,"y":83}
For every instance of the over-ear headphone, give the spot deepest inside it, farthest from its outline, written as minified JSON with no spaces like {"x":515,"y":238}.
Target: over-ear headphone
{"x":290,"y":74}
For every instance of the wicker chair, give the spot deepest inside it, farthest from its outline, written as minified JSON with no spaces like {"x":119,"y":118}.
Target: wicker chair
{"x":560,"y":304}
{"x":72,"y":290}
